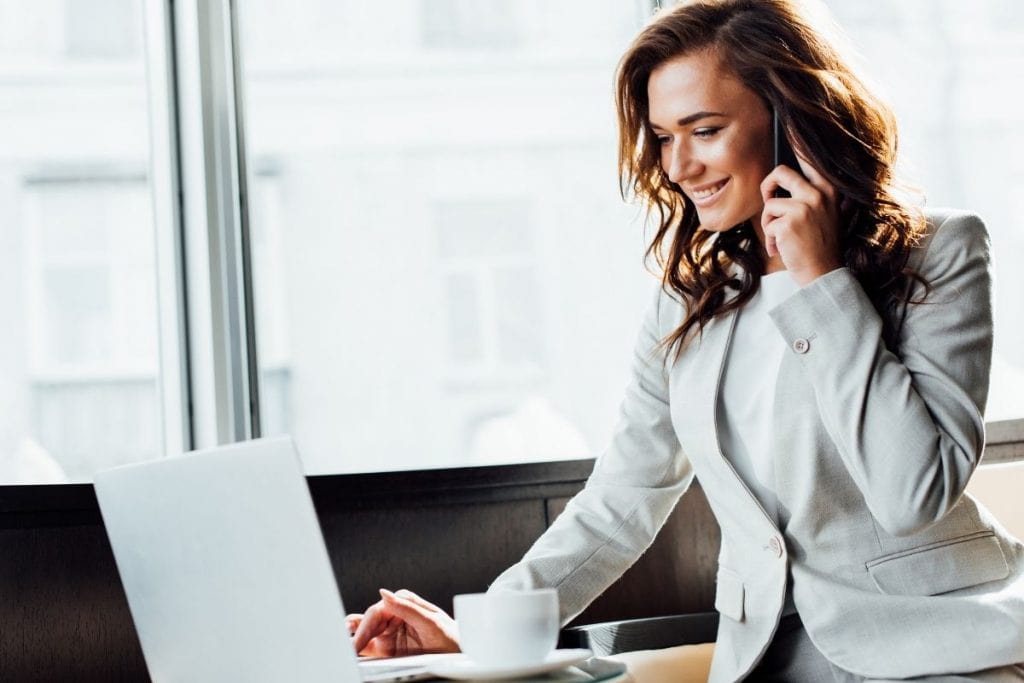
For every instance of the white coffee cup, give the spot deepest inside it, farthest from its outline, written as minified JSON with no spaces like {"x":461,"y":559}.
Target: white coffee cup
{"x":508,"y":629}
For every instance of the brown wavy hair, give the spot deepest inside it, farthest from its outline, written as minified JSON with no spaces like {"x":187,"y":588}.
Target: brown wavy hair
{"x":829,"y":115}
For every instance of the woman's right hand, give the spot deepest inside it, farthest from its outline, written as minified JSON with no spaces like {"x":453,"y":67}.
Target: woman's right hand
{"x":402,"y":624}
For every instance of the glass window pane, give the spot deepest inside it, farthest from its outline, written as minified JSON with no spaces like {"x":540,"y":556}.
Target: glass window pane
{"x":952,"y":72}
{"x":454,"y":278}
{"x":473,"y":24}
{"x":79,"y":358}
{"x":101,"y":29}
{"x":465,"y":334}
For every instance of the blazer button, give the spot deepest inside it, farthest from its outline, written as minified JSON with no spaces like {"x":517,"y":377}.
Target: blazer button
{"x":775,"y":545}
{"x":801,"y":345}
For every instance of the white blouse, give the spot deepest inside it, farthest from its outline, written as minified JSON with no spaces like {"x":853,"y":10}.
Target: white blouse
{"x":747,"y":399}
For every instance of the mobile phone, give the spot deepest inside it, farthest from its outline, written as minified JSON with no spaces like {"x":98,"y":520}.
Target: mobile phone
{"x":782,"y":151}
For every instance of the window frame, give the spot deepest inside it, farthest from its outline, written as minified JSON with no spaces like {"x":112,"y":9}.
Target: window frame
{"x":1004,"y":441}
{"x":206,"y":132}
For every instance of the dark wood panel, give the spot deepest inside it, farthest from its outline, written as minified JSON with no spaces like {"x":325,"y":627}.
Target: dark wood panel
{"x":437,"y":551}
{"x":63,"y":614}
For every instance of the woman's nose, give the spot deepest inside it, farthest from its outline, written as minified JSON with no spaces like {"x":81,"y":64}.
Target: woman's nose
{"x":681,"y":164}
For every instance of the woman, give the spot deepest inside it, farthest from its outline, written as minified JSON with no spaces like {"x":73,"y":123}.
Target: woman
{"x":818,"y":357}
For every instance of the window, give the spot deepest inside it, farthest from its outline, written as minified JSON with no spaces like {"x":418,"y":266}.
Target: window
{"x":273,"y":332}
{"x":80,"y":369}
{"x":456,"y":272}
{"x":447,"y":180}
{"x":951,"y":72}
{"x":412,"y":251}
{"x":488,"y":262}
{"x":101,"y":29}
{"x":92,"y":321}
{"x":479,"y":24}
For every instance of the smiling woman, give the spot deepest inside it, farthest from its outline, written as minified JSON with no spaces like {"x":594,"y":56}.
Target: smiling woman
{"x":818,"y":359}
{"x":700,"y":124}
{"x":442,"y":275}
{"x":715,"y":140}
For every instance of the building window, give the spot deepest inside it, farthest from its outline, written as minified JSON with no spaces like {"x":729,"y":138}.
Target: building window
{"x":487,"y":257}
{"x":102,"y":30}
{"x":471,"y":24}
{"x":91,"y":323}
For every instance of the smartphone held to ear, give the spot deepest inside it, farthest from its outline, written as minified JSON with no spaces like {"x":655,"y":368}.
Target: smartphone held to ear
{"x":783,"y":154}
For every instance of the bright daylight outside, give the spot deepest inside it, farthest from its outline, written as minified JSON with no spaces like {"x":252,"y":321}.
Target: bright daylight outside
{"x":445,"y":274}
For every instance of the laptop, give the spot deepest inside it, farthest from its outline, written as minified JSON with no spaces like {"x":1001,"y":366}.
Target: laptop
{"x":226,"y":571}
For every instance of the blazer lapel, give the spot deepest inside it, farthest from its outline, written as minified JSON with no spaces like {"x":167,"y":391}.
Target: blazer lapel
{"x":695,"y":390}
{"x":697,"y":379}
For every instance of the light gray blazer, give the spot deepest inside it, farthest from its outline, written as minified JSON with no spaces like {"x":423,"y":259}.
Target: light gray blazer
{"x":896,"y":572}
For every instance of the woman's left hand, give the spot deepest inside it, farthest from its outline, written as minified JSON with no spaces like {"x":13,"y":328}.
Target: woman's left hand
{"x":802,"y":229}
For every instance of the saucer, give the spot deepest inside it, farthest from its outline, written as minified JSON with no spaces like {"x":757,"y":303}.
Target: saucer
{"x":465,"y":669}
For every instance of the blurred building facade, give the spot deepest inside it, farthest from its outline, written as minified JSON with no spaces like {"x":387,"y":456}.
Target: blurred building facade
{"x":444,"y":272}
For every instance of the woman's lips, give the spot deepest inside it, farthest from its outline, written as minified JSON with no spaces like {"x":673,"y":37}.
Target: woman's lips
{"x":708,"y":195}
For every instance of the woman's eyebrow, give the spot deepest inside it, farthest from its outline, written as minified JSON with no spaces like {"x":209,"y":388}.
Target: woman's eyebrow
{"x":687,"y":120}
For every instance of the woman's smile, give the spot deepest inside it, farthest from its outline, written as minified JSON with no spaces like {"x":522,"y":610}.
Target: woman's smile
{"x":705,"y":195}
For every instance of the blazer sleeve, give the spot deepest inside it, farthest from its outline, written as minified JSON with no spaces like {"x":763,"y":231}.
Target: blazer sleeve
{"x":635,"y":484}
{"x":908,"y":425}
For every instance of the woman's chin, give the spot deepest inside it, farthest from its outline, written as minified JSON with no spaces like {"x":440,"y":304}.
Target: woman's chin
{"x":719,"y":223}
{"x":714,"y":226}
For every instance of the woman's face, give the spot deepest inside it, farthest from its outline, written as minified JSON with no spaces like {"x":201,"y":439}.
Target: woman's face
{"x":715,"y":138}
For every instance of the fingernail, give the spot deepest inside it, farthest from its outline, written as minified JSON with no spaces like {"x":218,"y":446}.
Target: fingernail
{"x":386,"y":593}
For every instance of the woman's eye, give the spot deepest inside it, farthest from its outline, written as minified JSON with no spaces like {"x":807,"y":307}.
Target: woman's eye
{"x":705,"y":132}
{"x":664,"y":140}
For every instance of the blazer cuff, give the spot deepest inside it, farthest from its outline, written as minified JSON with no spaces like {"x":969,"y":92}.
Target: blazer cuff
{"x":834,"y":304}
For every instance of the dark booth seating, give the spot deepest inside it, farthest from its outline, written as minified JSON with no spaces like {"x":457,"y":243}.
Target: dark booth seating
{"x":63,"y":614}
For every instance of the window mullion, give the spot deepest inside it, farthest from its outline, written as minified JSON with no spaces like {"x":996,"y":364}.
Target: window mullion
{"x":216,"y":294}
